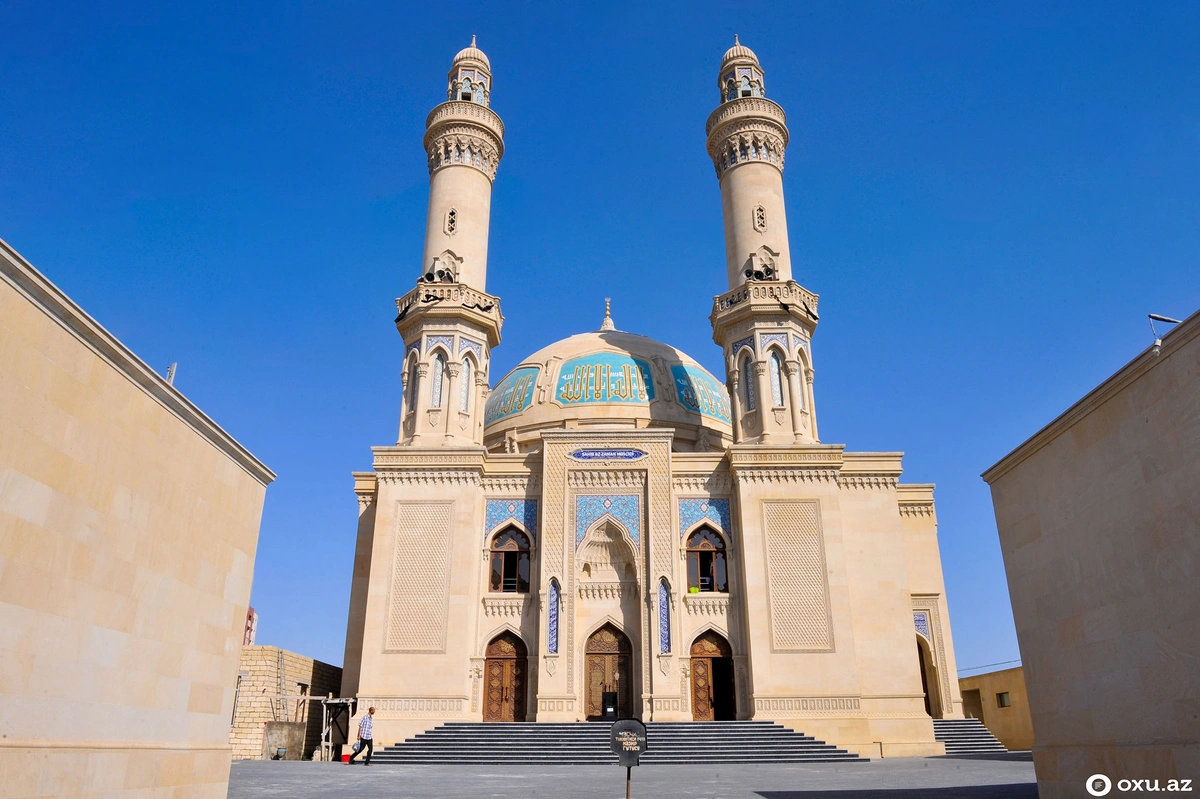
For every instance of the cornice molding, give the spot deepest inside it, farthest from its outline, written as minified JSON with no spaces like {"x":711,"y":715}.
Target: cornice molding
{"x":593,"y":478}
{"x":502,"y":486}
{"x":785,"y":475}
{"x":867,"y":480}
{"x":34,"y":286}
{"x":702,"y":484}
{"x":430,"y":477}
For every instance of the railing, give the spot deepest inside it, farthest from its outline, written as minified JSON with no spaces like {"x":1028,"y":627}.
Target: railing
{"x":458,"y":293}
{"x":742,"y":106}
{"x":457,"y":109}
{"x":772,"y":290}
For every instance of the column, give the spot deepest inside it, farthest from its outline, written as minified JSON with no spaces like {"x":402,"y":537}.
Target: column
{"x":735,"y":405}
{"x":450,"y":403}
{"x":795,"y":397}
{"x":812,"y":408}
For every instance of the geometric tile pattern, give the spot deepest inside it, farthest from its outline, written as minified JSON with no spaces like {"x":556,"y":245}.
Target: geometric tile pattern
{"x":625,"y":508}
{"x":921,"y":623}
{"x":500,"y":511}
{"x":715,"y":510}
{"x":664,"y":617}
{"x":552,"y":624}
{"x":419,"y":592}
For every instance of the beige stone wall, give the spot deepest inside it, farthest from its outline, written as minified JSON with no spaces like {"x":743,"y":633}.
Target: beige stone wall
{"x":1099,"y":521}
{"x":270,"y":683}
{"x":128,"y":528}
{"x":1012,"y":725}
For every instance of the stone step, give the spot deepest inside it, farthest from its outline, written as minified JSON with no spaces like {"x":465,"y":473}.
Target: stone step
{"x":965,"y":736}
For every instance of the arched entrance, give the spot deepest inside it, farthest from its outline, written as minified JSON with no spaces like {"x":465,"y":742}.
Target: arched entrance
{"x":505,"y":671}
{"x":713,"y":697}
{"x":929,"y":678}
{"x":608,"y":667}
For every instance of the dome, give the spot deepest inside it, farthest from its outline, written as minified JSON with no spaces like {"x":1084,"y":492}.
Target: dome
{"x":739,"y":52}
{"x":608,"y":379}
{"x":472,"y":53}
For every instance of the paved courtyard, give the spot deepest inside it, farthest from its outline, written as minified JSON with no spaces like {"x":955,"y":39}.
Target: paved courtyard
{"x":1009,"y":777}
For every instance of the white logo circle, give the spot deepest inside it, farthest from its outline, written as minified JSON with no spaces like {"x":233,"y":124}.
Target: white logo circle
{"x":1098,"y":785}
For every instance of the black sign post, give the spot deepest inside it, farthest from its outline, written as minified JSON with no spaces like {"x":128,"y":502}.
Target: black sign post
{"x":628,"y":740}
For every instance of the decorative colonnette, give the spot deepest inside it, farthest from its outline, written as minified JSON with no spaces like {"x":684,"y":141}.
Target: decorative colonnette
{"x":625,"y":508}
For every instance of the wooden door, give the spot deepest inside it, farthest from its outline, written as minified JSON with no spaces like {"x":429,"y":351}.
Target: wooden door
{"x":712,"y":678}
{"x":608,"y":666}
{"x":504,"y":678}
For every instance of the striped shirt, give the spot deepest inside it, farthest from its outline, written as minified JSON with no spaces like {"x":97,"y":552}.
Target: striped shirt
{"x":364,"y":727}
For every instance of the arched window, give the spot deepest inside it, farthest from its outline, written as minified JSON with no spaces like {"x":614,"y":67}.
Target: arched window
{"x":748,"y":383}
{"x":745,"y":87}
{"x":664,"y":616}
{"x":410,"y":400}
{"x":730,"y":90}
{"x":466,"y":89}
{"x":464,"y":386}
{"x":776,"y":380}
{"x":552,"y":620}
{"x":510,"y":562}
{"x":439,"y":374}
{"x":706,"y":562}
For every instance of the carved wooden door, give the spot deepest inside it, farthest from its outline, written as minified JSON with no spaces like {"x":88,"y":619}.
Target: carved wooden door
{"x":712,"y":686}
{"x":504,"y":679}
{"x":608,"y":666}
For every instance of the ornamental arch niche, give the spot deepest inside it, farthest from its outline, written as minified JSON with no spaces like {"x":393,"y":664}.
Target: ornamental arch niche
{"x":929,"y":677}
{"x":505,"y":675}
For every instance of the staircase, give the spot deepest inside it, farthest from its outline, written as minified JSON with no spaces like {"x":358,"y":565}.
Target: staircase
{"x":966,"y":737}
{"x":583,"y":743}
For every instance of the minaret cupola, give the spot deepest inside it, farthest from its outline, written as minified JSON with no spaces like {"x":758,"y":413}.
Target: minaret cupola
{"x":740,"y":74}
{"x":470,"y":76}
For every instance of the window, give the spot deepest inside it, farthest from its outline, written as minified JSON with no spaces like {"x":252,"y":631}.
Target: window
{"x":776,"y":380}
{"x":439,"y":374}
{"x":747,"y":376}
{"x":466,"y":89}
{"x":664,"y":617}
{"x":464,"y":387}
{"x":451,"y":222}
{"x":746,"y":87}
{"x":1003,"y":700}
{"x":706,"y":562}
{"x":510,"y":563}
{"x":760,"y":218}
{"x":410,"y":402}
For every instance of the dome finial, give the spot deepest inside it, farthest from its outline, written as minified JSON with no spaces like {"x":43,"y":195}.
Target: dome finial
{"x":607,"y":324}
{"x":473,"y":39}
{"x":735,"y":39}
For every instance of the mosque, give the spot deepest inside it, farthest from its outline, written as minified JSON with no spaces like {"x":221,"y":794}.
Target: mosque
{"x":611,"y":517}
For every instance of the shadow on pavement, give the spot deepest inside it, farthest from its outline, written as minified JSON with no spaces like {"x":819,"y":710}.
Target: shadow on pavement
{"x":1019,"y":756}
{"x":1021,"y":790}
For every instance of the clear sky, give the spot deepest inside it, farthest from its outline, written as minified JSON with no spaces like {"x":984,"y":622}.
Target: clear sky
{"x":989,"y":199}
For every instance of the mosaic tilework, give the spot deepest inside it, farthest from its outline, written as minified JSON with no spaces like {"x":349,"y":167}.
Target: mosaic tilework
{"x":800,"y":343}
{"x":715,"y":510}
{"x":439,"y":369}
{"x":500,"y":511}
{"x":766,"y":339}
{"x":604,"y":377}
{"x":921,"y":623}
{"x":748,"y":341}
{"x":445,"y":341}
{"x":473,"y":346}
{"x":698,"y":392}
{"x":625,"y":508}
{"x":664,"y":617}
{"x":512,"y":395}
{"x":414,"y":347}
{"x":552,"y":623}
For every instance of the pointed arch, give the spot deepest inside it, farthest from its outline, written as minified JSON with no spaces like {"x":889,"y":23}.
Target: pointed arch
{"x":778,"y":380}
{"x":746,"y":370}
{"x":664,"y":616}
{"x":707,"y":560}
{"x":554,"y":600}
{"x":466,"y":384}
{"x":437,"y":378}
{"x":494,"y":633}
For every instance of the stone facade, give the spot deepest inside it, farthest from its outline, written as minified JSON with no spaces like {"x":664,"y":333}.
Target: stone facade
{"x":611,"y":516}
{"x":128,"y":527}
{"x":1000,"y":701}
{"x":1099,"y":520}
{"x":272,"y":686}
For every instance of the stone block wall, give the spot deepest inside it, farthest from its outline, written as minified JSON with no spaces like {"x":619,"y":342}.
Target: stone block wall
{"x":271,"y":682}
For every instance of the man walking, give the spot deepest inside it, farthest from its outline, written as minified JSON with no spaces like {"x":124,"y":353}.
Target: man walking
{"x":364,"y":737}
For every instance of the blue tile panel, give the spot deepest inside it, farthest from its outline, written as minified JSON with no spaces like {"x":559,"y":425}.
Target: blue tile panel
{"x":499,"y":511}
{"x":473,"y":346}
{"x":715,"y":510}
{"x":767,"y":339}
{"x":445,"y":341}
{"x":664,"y":617}
{"x":625,"y":508}
{"x":513,"y":394}
{"x":698,"y":392}
{"x":921,"y":622}
{"x":552,"y":624}
{"x":748,"y":341}
{"x":604,"y":377}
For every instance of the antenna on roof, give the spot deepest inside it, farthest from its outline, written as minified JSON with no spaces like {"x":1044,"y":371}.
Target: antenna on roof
{"x":171,"y":373}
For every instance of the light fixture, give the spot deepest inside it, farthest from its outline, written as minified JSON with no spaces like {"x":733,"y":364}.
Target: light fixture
{"x":1157,"y":347}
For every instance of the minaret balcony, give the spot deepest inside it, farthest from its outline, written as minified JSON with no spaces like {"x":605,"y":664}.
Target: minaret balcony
{"x":441,"y":300}
{"x":765,"y":297}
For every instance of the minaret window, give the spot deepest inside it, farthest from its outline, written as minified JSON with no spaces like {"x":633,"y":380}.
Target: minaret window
{"x":745,"y":87}
{"x":510,"y":563}
{"x":776,"y":380}
{"x":465,"y":92}
{"x":451,"y":222}
{"x":439,"y":375}
{"x":706,"y":562}
{"x":464,"y":386}
{"x":760,"y":219}
{"x":410,"y":402}
{"x":748,"y":383}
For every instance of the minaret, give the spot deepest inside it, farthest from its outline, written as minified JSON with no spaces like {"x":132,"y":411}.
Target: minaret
{"x":766,"y":320}
{"x":449,"y":323}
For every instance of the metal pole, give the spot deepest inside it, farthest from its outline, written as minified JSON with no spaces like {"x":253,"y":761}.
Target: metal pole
{"x":627,"y":770}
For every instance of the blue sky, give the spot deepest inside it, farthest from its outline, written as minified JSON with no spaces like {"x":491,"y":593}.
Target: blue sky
{"x":989,"y":199}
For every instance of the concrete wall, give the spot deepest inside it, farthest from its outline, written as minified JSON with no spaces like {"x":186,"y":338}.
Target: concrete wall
{"x":128,"y":528}
{"x":1012,"y":725}
{"x":270,"y":683}
{"x":1099,"y":520}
